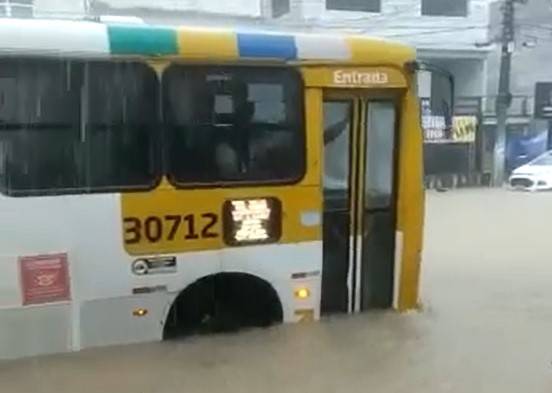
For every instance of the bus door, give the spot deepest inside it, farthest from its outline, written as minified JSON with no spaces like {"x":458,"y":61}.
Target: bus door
{"x":359,"y":206}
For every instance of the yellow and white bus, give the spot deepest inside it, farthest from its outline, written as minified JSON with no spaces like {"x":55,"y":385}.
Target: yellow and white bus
{"x":157,"y":181}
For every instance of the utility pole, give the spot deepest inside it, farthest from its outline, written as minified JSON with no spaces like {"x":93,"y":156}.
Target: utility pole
{"x":504,"y":98}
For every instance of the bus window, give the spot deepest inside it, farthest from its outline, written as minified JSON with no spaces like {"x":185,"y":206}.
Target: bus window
{"x":337,"y":115}
{"x":121,"y":119}
{"x":74,"y":127}
{"x":232,"y":124}
{"x":39,"y":125}
{"x":380,"y":151}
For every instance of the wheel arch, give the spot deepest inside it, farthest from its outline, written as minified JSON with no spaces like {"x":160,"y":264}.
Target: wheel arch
{"x":247,"y":282}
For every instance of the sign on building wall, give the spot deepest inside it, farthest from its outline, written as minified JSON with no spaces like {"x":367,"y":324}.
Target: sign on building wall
{"x":435,"y":129}
{"x":543,"y":100}
{"x":464,"y":128}
{"x":44,"y":278}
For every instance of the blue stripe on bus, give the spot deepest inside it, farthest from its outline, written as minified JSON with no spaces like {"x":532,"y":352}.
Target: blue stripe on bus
{"x":267,"y":46}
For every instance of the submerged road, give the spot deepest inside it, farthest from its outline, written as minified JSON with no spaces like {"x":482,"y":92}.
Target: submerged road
{"x":486,"y":326}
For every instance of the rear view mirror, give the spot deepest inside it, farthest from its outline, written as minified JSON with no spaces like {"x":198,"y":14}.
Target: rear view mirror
{"x":436,"y":92}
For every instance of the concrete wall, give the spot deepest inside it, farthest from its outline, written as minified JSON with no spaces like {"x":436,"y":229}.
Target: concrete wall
{"x":250,"y":8}
{"x":402,"y":19}
{"x":469,"y":75}
{"x":59,"y":8}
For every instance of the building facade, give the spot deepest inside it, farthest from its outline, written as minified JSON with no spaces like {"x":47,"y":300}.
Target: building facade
{"x":447,"y":32}
{"x":527,"y":134}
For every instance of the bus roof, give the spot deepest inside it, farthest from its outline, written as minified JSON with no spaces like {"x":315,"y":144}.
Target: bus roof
{"x":87,"y":39}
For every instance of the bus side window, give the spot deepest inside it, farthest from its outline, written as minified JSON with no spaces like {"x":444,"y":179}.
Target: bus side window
{"x":121,"y":125}
{"x":39,"y":125}
{"x":76,"y":127}
{"x":255,"y":131}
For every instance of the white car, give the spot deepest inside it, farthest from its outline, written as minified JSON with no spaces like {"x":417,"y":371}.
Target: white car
{"x":535,"y":175}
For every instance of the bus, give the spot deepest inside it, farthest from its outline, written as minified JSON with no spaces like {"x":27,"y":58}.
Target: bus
{"x":161,"y":181}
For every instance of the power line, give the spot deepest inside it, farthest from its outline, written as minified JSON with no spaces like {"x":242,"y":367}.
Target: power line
{"x":381,"y":29}
{"x":428,"y":27}
{"x":538,"y":38}
{"x":444,"y":30}
{"x":408,"y":11}
{"x":537,"y":26}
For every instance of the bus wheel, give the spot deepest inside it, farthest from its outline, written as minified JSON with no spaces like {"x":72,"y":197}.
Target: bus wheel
{"x":221,"y":303}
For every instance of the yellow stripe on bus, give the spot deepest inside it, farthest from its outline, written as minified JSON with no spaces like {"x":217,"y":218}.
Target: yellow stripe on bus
{"x":371,"y":51}
{"x":201,"y":44}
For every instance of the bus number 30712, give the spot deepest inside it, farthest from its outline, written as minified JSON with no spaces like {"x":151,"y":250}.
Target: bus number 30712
{"x":154,"y":229}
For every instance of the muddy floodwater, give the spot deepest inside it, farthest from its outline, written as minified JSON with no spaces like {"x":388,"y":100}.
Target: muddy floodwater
{"x":486,"y":326}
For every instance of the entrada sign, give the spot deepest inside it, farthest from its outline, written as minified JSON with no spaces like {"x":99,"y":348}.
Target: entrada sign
{"x":353,"y":78}
{"x":346,"y":77}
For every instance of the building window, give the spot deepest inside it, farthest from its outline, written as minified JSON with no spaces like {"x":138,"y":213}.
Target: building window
{"x":17,"y":8}
{"x":279,"y":8}
{"x":354,"y":5}
{"x":233,"y":125}
{"x":75,"y":127}
{"x":445,"y":7}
